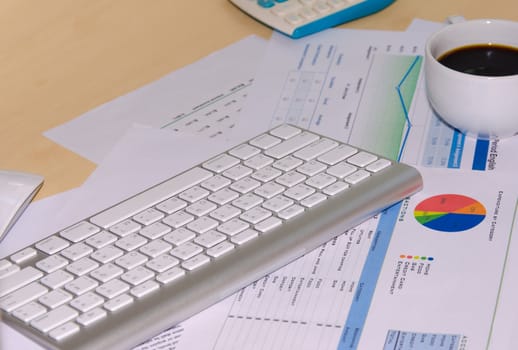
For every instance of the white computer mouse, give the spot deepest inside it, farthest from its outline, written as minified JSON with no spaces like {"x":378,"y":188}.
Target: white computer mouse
{"x":16,"y":191}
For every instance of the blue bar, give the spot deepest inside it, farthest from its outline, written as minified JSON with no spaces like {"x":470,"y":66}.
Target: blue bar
{"x":480,"y":157}
{"x":457,"y":147}
{"x":368,"y":279}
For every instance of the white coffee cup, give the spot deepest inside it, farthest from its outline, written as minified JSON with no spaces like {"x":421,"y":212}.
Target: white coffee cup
{"x":481,"y":106}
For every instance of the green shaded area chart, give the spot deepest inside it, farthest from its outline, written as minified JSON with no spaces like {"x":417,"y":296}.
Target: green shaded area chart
{"x":386,"y":101}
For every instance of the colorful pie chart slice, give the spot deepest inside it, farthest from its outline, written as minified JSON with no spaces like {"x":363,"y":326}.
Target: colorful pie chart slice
{"x":450,"y":213}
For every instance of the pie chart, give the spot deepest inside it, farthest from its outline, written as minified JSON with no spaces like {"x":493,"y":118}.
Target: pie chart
{"x":450,"y":213}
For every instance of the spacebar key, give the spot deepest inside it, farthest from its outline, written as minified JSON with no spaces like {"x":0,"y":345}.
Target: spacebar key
{"x":150,"y":197}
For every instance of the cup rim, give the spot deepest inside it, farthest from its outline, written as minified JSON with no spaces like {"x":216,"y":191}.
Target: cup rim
{"x":446,"y":28}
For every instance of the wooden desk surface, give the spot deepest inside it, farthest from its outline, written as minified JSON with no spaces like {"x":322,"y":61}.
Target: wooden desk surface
{"x":61,"y":58}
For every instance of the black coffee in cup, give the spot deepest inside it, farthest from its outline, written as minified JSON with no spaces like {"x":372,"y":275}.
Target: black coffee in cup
{"x":483,"y":59}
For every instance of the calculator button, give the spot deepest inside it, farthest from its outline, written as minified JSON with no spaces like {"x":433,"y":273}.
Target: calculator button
{"x":266,"y":3}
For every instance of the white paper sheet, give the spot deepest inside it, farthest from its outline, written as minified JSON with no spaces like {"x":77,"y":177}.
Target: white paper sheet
{"x":204,"y":97}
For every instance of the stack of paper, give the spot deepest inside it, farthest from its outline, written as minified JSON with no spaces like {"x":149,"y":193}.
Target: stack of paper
{"x":434,"y":272}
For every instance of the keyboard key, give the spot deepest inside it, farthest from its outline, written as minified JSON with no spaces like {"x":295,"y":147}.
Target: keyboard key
{"x":118,"y":302}
{"x":162,"y":263}
{"x":170,"y":275}
{"x":55,"y":298}
{"x":144,"y":289}
{"x":221,"y":163}
{"x":54,"y":318}
{"x":362,"y":159}
{"x":196,"y":262}
{"x":57,"y":279}
{"x":137,"y":275}
{"x":210,"y":238}
{"x":186,"y":251}
{"x":287,"y":163}
{"x":311,"y":168}
{"x":148,"y":216}
{"x":77,"y":251}
{"x":244,"y":236}
{"x":215,"y":183}
{"x":81,"y":285}
{"x":278,"y":203}
{"x":357,"y":176}
{"x":316,"y":149}
{"x":268,"y":173}
{"x":255,"y":215}
{"x":64,"y":331}
{"x":179,"y":236}
{"x":313,"y":200}
{"x":131,"y":242}
{"x":220,"y":249}
{"x":52,"y":245}
{"x":285,"y":131}
{"x":112,"y":288}
{"x":101,"y":239}
{"x":237,"y":172}
{"x":233,"y":226}
{"x":337,"y":154}
{"x":8,"y":270}
{"x":29,"y":311}
{"x":156,"y":248}
{"x":19,"y":279}
{"x":87,"y":301}
{"x":265,"y":141}
{"x":22,"y":296}
{"x":223,"y":196}
{"x":225,"y":213}
{"x":268,"y":224}
{"x":335,"y":188}
{"x":4,"y":264}
{"x":79,"y":231}
{"x":320,"y":181}
{"x":92,"y":316}
{"x":52,"y":263}
{"x":201,"y":207}
{"x":244,"y":151}
{"x":202,"y":224}
{"x":378,"y":165}
{"x":269,"y":190}
{"x":178,"y":219}
{"x":155,"y":230}
{"x":291,"y":145}
{"x":247,"y":201}
{"x":259,"y":161}
{"x":131,"y":260}
{"x":341,"y":170}
{"x":82,"y":266}
{"x":291,"y":212}
{"x":194,"y":194}
{"x":23,"y":255}
{"x":126,"y":227}
{"x":107,"y":254}
{"x":107,"y":272}
{"x":299,"y":192}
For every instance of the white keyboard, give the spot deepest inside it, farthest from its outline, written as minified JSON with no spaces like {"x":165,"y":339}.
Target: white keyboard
{"x":298,"y":18}
{"x":184,"y":244}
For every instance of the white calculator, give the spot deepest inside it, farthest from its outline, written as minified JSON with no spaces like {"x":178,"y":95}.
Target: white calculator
{"x":298,"y":18}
